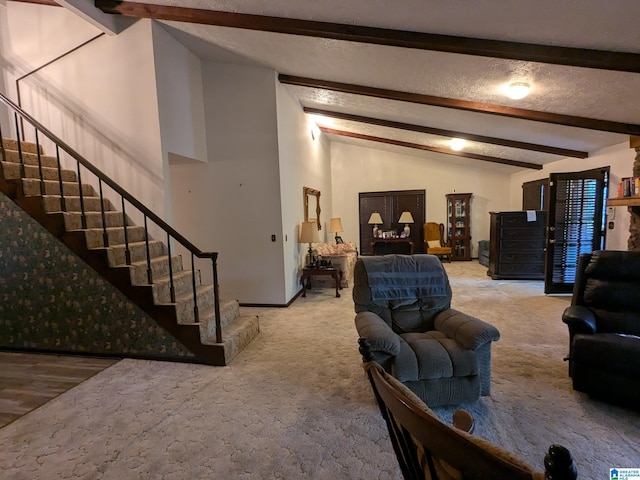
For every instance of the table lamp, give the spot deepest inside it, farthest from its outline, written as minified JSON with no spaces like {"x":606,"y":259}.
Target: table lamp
{"x":309,"y":234}
{"x":406,"y":218}
{"x":375,"y":219}
{"x":335,"y":226}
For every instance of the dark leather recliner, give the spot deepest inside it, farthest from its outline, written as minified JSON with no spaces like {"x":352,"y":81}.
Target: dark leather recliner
{"x":604,"y":326}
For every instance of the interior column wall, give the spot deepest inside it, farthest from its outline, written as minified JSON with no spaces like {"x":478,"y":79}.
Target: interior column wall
{"x":180,"y":104}
{"x":304,"y":162}
{"x":231,"y":204}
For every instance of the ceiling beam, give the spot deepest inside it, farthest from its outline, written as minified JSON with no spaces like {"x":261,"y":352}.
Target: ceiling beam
{"x":528,"y":52}
{"x":417,"y":146}
{"x":534,"y":147}
{"x":50,"y":3}
{"x":521,"y":113}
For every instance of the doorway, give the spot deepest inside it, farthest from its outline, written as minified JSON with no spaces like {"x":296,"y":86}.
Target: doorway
{"x":575,"y":224}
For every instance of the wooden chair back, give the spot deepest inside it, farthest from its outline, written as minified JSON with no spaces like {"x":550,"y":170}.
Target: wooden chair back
{"x":427,"y":448}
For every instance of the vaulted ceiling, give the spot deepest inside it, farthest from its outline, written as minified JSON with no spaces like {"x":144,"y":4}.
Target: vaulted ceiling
{"x":410,"y":75}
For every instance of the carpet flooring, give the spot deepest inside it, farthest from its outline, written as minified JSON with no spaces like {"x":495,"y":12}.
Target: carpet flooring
{"x":296,"y":404}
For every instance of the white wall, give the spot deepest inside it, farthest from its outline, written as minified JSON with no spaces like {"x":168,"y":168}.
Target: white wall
{"x":304,"y":162}
{"x":30,"y":37}
{"x":100,"y":99}
{"x":356,"y":169}
{"x":618,"y":157}
{"x":232,"y":204}
{"x":180,"y":103}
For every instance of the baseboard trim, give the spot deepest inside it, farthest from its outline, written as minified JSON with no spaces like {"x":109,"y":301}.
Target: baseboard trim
{"x":272,"y":305}
{"x":44,"y":351}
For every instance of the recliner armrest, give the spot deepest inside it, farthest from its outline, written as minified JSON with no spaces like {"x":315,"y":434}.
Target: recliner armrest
{"x":468,"y":331}
{"x":378,"y":333}
{"x":579,"y":319}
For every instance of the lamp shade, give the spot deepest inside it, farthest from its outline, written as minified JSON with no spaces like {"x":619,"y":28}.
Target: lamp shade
{"x":375,"y":219}
{"x":309,"y":232}
{"x":335,"y":225}
{"x":405,"y":218}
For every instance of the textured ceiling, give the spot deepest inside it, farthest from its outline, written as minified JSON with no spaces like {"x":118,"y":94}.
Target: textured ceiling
{"x":575,"y":91}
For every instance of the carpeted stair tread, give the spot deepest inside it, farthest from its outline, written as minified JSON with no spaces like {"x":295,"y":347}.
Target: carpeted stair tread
{"x":53,"y":203}
{"x":27,"y":147}
{"x":31,"y":187}
{"x":159,"y":268}
{"x":182,"y":284}
{"x":229,"y":310}
{"x":236,"y":335}
{"x":116,"y":254}
{"x":73,"y":220}
{"x":29,"y":158}
{"x":95,"y":236}
{"x":13,"y":171}
{"x":185,"y":305}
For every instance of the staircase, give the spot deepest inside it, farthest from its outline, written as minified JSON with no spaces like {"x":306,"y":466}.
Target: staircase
{"x":143,"y":269}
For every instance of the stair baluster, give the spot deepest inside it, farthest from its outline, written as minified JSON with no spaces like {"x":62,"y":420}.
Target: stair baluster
{"x":172,"y":290}
{"x":20,"y":156}
{"x":146,"y":241}
{"x":216,"y":292}
{"x":83,"y":215}
{"x":63,"y":203}
{"x":127,"y":252}
{"x":42,"y":189}
{"x":4,"y":154}
{"x":196,"y":314}
{"x":105,"y":235}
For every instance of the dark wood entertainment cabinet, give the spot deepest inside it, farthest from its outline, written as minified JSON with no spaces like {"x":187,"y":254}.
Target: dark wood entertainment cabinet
{"x":516,"y":247}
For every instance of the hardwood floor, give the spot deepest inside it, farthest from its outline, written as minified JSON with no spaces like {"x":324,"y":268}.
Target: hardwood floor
{"x":28,"y":381}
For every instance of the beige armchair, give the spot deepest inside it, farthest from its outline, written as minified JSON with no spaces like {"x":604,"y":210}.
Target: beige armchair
{"x":434,"y":243}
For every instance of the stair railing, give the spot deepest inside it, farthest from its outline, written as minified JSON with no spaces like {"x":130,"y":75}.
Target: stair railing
{"x":171,"y":233}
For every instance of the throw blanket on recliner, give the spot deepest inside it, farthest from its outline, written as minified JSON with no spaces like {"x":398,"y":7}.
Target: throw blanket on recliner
{"x":395,"y":277}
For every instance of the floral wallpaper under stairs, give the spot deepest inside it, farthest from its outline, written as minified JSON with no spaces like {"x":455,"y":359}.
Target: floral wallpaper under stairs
{"x":63,"y":291}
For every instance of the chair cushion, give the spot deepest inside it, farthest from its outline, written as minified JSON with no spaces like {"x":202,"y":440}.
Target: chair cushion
{"x":433,"y":243}
{"x":617,"y":322}
{"x":438,"y":356}
{"x":439,"y":250}
{"x":612,"y":294}
{"x":609,"y":351}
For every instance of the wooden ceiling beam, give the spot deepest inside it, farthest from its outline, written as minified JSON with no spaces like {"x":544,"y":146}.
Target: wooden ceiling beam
{"x":50,"y":3}
{"x":417,"y":146}
{"x":527,"y":52}
{"x":521,"y":113}
{"x":534,"y":147}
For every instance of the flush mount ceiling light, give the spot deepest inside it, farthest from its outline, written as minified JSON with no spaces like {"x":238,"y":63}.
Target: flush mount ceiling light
{"x":518,"y":90}
{"x":457,"y":144}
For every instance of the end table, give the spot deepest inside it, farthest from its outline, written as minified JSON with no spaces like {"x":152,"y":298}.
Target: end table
{"x":308,"y":272}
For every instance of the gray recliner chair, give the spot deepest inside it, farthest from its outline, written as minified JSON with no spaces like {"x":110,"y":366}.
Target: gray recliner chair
{"x":403,"y":309}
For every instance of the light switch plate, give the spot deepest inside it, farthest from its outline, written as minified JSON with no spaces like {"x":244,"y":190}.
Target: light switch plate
{"x":611,"y":213}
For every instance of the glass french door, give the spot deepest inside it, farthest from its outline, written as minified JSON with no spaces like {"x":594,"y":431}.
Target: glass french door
{"x":575,"y":224}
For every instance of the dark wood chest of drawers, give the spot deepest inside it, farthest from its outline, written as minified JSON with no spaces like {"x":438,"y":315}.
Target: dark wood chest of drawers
{"x":517,"y":242}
